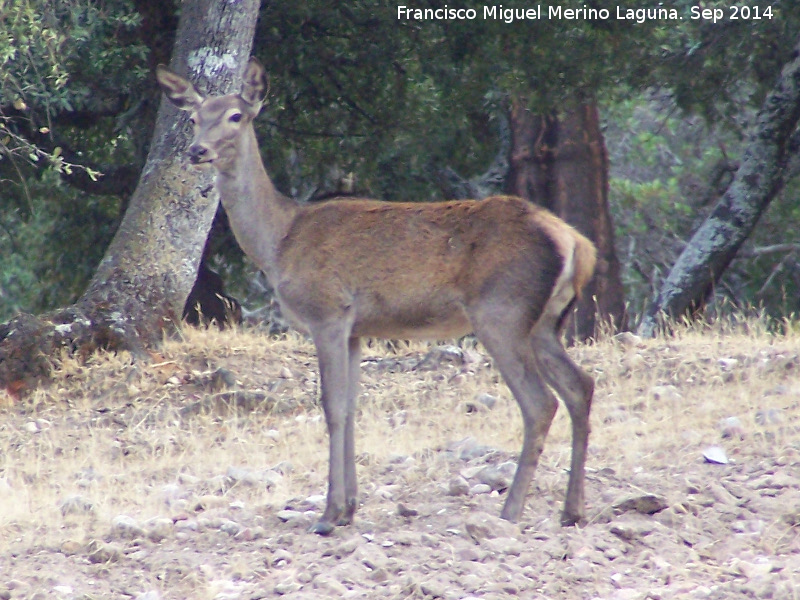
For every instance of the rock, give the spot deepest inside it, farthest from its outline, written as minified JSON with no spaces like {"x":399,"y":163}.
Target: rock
{"x":293,"y":517}
{"x":628,"y":339}
{"x":71,"y":547}
{"x":647,"y":504}
{"x":101,"y":552}
{"x":481,"y":526}
{"x":769,"y":416}
{"x":62,"y":590}
{"x":631,"y":530}
{"x":504,"y":545}
{"x":405,"y":511}
{"x":329,"y":586}
{"x":732,"y":427}
{"x":666,"y":392}
{"x":727,"y":364}
{"x":31,"y":427}
{"x":76,"y":505}
{"x":495,"y":477}
{"x":458,"y":486}
{"x":715,"y":455}
{"x":468,"y":449}
{"x":232,"y":528}
{"x":487,"y":400}
{"x":752,"y":570}
{"x":439,"y":356}
{"x":288,"y":586}
{"x":480,"y":488}
{"x":126,"y":527}
{"x":208,"y":502}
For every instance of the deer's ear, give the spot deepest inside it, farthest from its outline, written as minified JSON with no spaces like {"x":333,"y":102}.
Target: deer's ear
{"x":254,"y":83}
{"x":179,"y":91}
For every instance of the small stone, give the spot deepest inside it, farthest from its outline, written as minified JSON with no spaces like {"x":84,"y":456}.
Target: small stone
{"x":647,"y":504}
{"x":504,"y":545}
{"x":631,"y":530}
{"x":31,"y":427}
{"x":230,"y":527}
{"x":666,"y":392}
{"x":480,"y":488}
{"x":286,"y":373}
{"x":405,"y":511}
{"x":330,"y":586}
{"x":458,"y":486}
{"x":628,"y":339}
{"x":727,"y":364}
{"x":732,"y":427}
{"x":288,"y":515}
{"x":126,"y":527}
{"x":76,"y":505}
{"x":287,"y":587}
{"x":484,"y":526}
{"x":487,"y":400}
{"x":715,"y":455}
{"x":63,"y":590}
{"x":769,"y":416}
{"x":71,"y":547}
{"x":101,"y":552}
{"x":498,"y":478}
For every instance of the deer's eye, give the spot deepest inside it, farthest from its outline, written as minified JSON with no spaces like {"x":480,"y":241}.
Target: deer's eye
{"x":235,"y":117}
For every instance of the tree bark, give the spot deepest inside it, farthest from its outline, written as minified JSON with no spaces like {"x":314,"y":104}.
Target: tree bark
{"x":142,"y":283}
{"x":560,"y":162}
{"x":762,"y":173}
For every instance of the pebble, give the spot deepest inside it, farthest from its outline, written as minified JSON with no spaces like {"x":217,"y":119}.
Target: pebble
{"x":76,"y":505}
{"x":458,"y":486}
{"x":485,"y":526}
{"x":732,"y":427}
{"x":666,"y":392}
{"x":480,"y":488}
{"x":715,"y":455}
{"x":126,"y":527}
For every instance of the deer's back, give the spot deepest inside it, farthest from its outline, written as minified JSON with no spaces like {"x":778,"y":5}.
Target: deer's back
{"x":415,"y":267}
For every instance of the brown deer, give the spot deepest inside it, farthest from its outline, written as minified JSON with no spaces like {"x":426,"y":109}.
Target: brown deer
{"x":342,"y":270}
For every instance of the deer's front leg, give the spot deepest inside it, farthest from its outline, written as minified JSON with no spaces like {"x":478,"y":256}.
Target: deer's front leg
{"x":332,"y":353}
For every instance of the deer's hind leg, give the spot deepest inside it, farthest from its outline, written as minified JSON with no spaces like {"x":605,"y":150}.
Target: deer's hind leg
{"x":575,"y":387}
{"x":350,"y":476}
{"x":504,"y":331}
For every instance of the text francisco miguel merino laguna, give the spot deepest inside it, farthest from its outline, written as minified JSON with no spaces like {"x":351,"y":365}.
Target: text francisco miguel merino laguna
{"x":537,"y":12}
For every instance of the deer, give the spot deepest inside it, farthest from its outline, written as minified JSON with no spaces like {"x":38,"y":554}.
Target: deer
{"x":501,"y":268}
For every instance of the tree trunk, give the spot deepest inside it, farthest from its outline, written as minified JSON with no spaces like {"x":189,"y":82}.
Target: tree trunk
{"x":560,"y":162}
{"x":761,"y":175}
{"x":142,"y":283}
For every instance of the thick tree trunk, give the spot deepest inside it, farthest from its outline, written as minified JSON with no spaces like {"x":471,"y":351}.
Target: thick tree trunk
{"x":142,"y":283}
{"x":761,"y":175}
{"x":560,"y":162}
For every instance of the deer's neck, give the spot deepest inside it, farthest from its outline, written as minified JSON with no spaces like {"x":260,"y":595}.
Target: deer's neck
{"x":259,"y":215}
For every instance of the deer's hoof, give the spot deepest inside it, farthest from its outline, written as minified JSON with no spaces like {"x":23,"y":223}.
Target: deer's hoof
{"x":322,"y":528}
{"x":569,"y":519}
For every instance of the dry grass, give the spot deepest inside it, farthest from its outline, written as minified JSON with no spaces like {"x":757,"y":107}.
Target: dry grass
{"x":123,"y":436}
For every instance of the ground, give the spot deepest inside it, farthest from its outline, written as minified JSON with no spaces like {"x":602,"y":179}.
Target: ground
{"x":196,"y":475}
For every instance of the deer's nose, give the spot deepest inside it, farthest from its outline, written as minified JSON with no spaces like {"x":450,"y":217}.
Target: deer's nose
{"x":198,"y":153}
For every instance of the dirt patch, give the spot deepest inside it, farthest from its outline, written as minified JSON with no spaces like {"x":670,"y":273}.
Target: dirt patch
{"x":196,"y":476}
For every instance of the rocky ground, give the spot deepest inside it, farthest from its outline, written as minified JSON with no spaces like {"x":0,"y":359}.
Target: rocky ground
{"x":197,"y":475}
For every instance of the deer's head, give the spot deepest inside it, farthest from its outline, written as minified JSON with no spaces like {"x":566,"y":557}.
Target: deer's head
{"x":218,"y":121}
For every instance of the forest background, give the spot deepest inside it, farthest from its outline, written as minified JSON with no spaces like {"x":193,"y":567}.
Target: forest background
{"x":364,"y":102}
